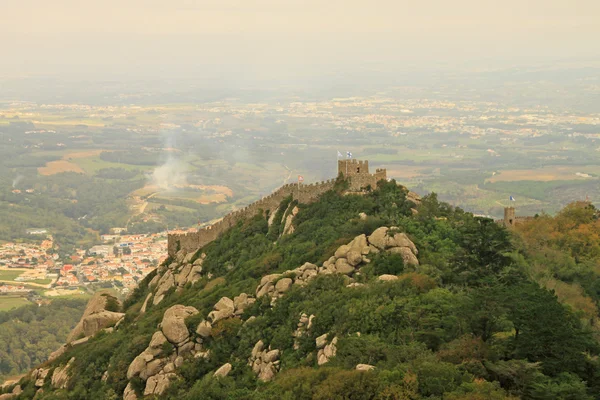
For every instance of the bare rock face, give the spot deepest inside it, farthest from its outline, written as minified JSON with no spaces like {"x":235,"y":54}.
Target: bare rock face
{"x":225,"y":303}
{"x":242,"y":302}
{"x":95,"y":322}
{"x":408,"y":256}
{"x":39,"y":376}
{"x":364,"y":367}
{"x":223,"y":371}
{"x":328,"y":351}
{"x":173,"y":324}
{"x":387,"y":278}
{"x":387,"y":239}
{"x":264,"y":362}
{"x":415,"y":198}
{"x":145,"y":305}
{"x":129,"y":393}
{"x":343,"y":267}
{"x":321,"y":341}
{"x":158,"y":339}
{"x":354,"y":257}
{"x":157,"y":384}
{"x":96,"y":305}
{"x":204,"y":329}
{"x":60,"y":376}
{"x":288,"y":227}
{"x":166,"y":282}
{"x":283,"y":285}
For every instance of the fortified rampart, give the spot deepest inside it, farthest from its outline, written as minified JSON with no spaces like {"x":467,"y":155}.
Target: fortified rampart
{"x":356,"y":171}
{"x":511,"y":219}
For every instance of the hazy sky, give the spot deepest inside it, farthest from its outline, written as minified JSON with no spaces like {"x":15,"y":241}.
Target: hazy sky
{"x":263,"y":38}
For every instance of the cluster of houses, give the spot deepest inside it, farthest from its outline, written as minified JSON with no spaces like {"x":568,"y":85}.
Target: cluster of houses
{"x":121,"y":261}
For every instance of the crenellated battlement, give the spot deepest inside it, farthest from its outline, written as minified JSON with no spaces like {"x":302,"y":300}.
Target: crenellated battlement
{"x":359,"y":179}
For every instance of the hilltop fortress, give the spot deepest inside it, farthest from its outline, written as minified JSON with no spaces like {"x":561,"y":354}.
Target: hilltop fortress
{"x":356,"y":171}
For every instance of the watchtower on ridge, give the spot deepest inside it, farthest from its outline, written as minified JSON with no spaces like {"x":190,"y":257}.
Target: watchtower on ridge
{"x":357,"y":172}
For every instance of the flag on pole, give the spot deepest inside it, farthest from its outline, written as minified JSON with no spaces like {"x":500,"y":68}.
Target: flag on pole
{"x":348,"y":154}
{"x":512,"y":198}
{"x":340,"y":155}
{"x":300,"y":178}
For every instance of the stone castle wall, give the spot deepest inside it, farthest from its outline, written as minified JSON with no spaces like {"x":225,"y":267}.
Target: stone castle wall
{"x":358,"y":176}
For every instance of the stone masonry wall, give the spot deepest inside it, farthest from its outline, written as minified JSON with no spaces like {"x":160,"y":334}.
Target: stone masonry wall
{"x":358,"y":175}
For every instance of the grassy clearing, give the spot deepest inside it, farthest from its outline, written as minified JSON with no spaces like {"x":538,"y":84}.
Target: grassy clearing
{"x":10,"y":302}
{"x":9,"y":275}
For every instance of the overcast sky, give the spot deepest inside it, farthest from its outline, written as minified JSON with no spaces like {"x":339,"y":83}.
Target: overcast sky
{"x":284,"y":38}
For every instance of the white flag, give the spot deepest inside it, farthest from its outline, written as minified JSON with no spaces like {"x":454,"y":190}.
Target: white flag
{"x":340,"y":154}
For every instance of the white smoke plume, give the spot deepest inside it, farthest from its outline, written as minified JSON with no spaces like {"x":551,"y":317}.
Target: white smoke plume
{"x":17,"y":180}
{"x":171,"y":175}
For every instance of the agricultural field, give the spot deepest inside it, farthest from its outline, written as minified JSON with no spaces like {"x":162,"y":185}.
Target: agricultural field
{"x":150,"y":166}
{"x":9,"y":302}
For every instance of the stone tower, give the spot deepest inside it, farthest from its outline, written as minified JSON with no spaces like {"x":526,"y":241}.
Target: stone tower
{"x":509,"y":216}
{"x":357,"y":173}
{"x":353,"y":167}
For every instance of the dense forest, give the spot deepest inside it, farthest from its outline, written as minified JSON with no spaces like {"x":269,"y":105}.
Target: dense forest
{"x":30,"y":333}
{"x":488,"y":313}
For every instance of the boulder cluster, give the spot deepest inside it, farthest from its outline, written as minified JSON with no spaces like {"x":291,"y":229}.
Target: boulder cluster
{"x":58,"y":379}
{"x":264,"y":362}
{"x":394,"y":241}
{"x":304,"y":324}
{"x":325,"y":350}
{"x":17,"y":390}
{"x":347,"y":260}
{"x":157,"y":363}
{"x":177,"y":274}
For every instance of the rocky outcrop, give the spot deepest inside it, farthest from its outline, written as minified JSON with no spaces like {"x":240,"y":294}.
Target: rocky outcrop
{"x":223,"y":371}
{"x":129,"y":393}
{"x":390,"y":239}
{"x":325,"y":350}
{"x":173,"y":324}
{"x":157,"y":384}
{"x":304,"y":324}
{"x":387,"y":278}
{"x":264,"y":362}
{"x":39,"y":376}
{"x":348,"y":257}
{"x":288,"y":227}
{"x":364,"y":367}
{"x":177,"y":274}
{"x":14,"y":393}
{"x":415,"y":198}
{"x":96,"y":317}
{"x":165,"y":352}
{"x":157,"y":368}
{"x":98,"y":321}
{"x":60,"y":376}
{"x":145,"y":305}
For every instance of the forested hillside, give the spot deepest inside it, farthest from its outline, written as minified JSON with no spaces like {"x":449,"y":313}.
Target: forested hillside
{"x":30,"y":333}
{"x":434,"y":304}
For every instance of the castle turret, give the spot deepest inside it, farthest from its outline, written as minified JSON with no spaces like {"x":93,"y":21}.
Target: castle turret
{"x":357,"y":172}
{"x":353,"y":167}
{"x":509,"y":216}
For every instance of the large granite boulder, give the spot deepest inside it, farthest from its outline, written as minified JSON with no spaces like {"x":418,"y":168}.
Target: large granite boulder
{"x":104,"y":319}
{"x":173,"y":324}
{"x":96,"y":317}
{"x":223,"y":371}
